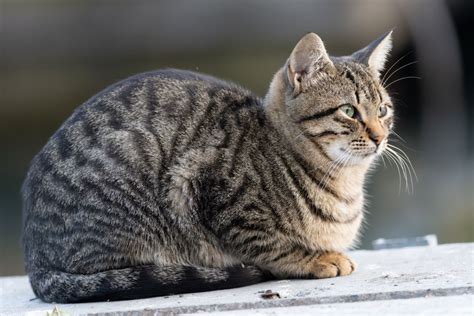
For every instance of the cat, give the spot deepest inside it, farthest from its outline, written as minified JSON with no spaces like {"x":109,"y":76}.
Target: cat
{"x":174,"y":182}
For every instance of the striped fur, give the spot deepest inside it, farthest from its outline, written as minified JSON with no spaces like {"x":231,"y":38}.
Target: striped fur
{"x":174,"y":182}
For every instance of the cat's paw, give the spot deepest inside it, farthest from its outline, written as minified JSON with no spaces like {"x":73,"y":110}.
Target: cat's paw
{"x":332,"y":264}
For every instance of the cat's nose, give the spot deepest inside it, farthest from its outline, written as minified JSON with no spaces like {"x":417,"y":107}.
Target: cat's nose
{"x":377,"y":135}
{"x":377,"y":139}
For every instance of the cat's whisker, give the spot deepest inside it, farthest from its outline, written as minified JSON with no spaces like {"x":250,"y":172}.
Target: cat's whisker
{"x":396,"y":140}
{"x":400,"y":79}
{"x":401,"y":143}
{"x":332,"y":167}
{"x":405,"y":168}
{"x":383,"y":160}
{"x":393,"y":162}
{"x":396,"y":134}
{"x":300,"y":134}
{"x":408,"y":163}
{"x":406,"y":157}
{"x":336,"y":169}
{"x":397,"y":164}
{"x":342,"y":165}
{"x":397,"y":70}
{"x":327,"y":176}
{"x":331,"y":170}
{"x":393,"y":65}
{"x":406,"y":173}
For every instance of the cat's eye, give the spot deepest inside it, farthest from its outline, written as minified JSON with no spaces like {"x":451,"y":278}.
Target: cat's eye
{"x":382,"y":110}
{"x":348,"y":110}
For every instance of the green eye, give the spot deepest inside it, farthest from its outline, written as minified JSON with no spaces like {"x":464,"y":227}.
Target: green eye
{"x":382,"y":111}
{"x":348,"y":110}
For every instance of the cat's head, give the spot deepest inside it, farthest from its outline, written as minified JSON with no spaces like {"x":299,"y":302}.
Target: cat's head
{"x":338,"y":104}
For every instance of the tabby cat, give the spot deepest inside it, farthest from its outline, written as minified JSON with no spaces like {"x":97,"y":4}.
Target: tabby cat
{"x":174,"y":182}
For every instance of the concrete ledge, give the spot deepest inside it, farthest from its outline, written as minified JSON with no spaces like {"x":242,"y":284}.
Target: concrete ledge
{"x":429,"y":280}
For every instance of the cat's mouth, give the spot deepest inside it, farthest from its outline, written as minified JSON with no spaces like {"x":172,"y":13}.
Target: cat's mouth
{"x":359,"y":153}
{"x":354,"y":157}
{"x":356,"y":154}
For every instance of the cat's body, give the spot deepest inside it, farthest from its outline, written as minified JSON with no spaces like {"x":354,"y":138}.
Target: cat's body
{"x":173,"y":182}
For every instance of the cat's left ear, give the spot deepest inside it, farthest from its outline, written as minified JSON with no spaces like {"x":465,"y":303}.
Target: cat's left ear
{"x":375,"y":54}
{"x":307,"y":59}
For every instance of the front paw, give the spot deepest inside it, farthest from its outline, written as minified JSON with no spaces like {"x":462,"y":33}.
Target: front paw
{"x":332,"y":264}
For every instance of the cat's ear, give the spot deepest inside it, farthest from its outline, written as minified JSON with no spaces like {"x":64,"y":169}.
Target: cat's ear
{"x":375,"y":54}
{"x":308,"y":57}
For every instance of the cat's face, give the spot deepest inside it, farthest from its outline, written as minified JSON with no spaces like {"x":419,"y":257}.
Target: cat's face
{"x":347,"y":112}
{"x":339,"y":104}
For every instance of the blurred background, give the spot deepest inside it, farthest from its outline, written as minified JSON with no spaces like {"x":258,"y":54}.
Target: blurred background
{"x":55,"y":54}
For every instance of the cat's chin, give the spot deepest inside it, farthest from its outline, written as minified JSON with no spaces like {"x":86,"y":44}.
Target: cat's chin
{"x":348,"y":158}
{"x":361,"y":159}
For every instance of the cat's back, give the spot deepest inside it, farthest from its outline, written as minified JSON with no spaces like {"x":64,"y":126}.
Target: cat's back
{"x":152,"y":107}
{"x":167,"y":88}
{"x":140,"y":123}
{"x":111,"y":156}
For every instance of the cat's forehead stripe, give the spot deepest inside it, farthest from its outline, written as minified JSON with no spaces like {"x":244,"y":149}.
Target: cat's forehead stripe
{"x":364,"y":84}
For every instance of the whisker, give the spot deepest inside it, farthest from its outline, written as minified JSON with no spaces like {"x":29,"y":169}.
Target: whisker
{"x":396,"y":134}
{"x":406,"y":158}
{"x":393,"y":65}
{"x":337,"y":169}
{"x":300,"y":134}
{"x":383,"y":160}
{"x":330,"y":172}
{"x":400,"y":79}
{"x":405,"y":169}
{"x":397,"y":70}
{"x":343,"y":164}
{"x":402,"y":143}
{"x":392,"y":160}
{"x":399,"y":161}
{"x":399,"y":101}
{"x":325,"y":180}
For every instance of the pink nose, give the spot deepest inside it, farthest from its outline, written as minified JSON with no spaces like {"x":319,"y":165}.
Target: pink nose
{"x":377,"y":138}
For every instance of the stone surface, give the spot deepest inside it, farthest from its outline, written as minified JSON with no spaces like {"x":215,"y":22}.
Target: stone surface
{"x":448,"y":305}
{"x":419,"y":280}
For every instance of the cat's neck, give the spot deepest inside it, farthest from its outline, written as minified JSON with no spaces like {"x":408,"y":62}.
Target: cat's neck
{"x":274,"y":104}
{"x":351,"y":178}
{"x":290,"y":133}
{"x":276,"y":110}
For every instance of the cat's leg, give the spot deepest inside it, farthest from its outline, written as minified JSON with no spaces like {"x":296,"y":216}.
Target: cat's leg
{"x":251,"y":238}
{"x":305,"y":264}
{"x":319,"y":265}
{"x":282,"y":256}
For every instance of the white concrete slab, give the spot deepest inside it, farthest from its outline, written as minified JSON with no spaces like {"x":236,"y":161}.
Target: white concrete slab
{"x":383,"y":275}
{"x":429,"y":306}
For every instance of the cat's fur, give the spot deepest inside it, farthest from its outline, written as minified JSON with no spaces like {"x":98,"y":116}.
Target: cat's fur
{"x":174,"y":182}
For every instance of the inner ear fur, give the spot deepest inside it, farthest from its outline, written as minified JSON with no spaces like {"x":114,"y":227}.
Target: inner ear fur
{"x":308,"y":56}
{"x":375,"y":54}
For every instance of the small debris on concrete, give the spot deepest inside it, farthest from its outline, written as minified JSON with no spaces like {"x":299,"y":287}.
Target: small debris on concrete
{"x":57,"y":312}
{"x":270,"y":295}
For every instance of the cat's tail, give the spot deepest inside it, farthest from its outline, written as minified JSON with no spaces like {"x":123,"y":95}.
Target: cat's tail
{"x":139,"y":282}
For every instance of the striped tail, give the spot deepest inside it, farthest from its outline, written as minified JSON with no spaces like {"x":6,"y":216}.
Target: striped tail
{"x":139,"y":282}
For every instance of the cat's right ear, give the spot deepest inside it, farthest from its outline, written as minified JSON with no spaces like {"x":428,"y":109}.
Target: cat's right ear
{"x":308,"y":57}
{"x":375,"y":54}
